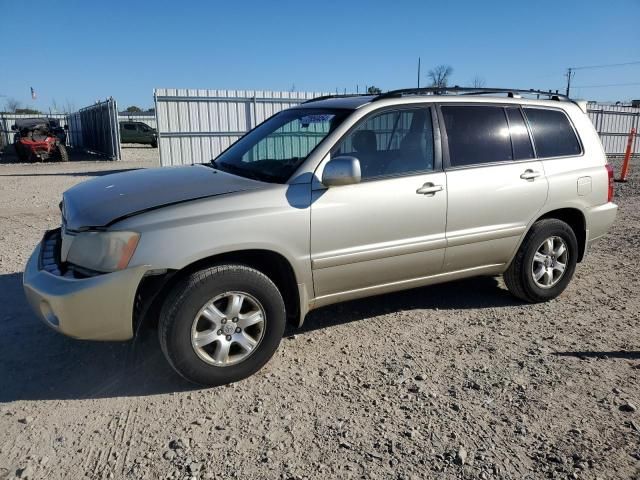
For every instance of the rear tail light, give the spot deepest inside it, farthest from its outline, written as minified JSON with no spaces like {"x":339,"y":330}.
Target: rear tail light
{"x":611,"y":182}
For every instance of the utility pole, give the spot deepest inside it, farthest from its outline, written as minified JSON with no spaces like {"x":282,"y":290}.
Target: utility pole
{"x":569,"y":75}
{"x":418,"y":72}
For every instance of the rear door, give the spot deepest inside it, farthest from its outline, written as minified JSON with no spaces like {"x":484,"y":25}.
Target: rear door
{"x":496,"y":186}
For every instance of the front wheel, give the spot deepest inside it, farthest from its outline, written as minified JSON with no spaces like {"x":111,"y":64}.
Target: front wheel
{"x":221,"y":324}
{"x":544,"y":263}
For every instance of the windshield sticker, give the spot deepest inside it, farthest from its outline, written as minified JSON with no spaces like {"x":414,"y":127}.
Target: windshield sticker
{"x":319,"y":118}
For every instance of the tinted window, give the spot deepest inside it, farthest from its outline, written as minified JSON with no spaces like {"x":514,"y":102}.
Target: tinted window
{"x":476,"y":134}
{"x":391,"y":143}
{"x":129,"y":126}
{"x":552,"y":133}
{"x":520,"y":140}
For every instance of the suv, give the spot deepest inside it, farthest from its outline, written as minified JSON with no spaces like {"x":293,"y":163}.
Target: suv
{"x":138,"y":132}
{"x":331,"y":200}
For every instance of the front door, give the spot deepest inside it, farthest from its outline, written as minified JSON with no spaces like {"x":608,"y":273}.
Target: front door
{"x":388,"y":231}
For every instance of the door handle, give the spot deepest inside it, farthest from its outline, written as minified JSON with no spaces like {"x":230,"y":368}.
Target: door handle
{"x":529,"y":174}
{"x":429,"y":189}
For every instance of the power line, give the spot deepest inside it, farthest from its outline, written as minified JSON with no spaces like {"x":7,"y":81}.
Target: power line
{"x":608,"y":85}
{"x":605,"y":65}
{"x":571,"y":70}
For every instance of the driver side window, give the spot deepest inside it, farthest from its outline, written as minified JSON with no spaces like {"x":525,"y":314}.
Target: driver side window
{"x":395,"y":142}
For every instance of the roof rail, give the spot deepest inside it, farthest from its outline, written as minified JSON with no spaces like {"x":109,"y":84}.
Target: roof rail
{"x":511,"y":92}
{"x":346,"y":95}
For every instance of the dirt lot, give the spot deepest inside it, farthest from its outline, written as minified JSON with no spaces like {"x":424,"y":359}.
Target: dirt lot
{"x":453,"y":381}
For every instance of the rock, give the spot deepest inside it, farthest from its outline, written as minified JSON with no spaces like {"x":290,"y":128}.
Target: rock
{"x":194,"y":467}
{"x":199,"y":421}
{"x":26,"y":420}
{"x":169,"y":455}
{"x":615,"y":390}
{"x":419,"y":377}
{"x":628,"y":407}
{"x":26,"y":472}
{"x":461,"y":456}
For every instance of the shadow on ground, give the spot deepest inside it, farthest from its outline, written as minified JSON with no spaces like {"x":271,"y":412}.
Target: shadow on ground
{"x":620,"y":354}
{"x":38,"y":363}
{"x":8,"y":156}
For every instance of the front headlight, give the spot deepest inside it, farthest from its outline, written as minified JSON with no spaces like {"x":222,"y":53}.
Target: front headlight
{"x":103,"y":251}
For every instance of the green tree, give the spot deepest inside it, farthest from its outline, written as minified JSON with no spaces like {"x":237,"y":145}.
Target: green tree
{"x":134,"y":109}
{"x":374,"y":90}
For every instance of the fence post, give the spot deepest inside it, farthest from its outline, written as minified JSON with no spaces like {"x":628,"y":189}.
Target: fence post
{"x":627,"y":155}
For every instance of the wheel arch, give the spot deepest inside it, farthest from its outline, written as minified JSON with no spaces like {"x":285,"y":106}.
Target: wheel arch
{"x":576,"y":220}
{"x":154,"y":289}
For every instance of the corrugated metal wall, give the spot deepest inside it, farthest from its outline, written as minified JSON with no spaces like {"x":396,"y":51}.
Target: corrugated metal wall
{"x":148,"y":119}
{"x":613,"y":123}
{"x":194,"y":126}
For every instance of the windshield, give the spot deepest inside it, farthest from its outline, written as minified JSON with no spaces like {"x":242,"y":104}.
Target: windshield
{"x":276,"y":148}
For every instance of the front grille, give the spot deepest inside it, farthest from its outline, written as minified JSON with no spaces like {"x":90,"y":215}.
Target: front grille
{"x":50,"y":252}
{"x":50,"y":258}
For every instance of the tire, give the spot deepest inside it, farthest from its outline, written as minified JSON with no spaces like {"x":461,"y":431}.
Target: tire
{"x":520,"y":277}
{"x":154,"y":144}
{"x":183,"y":316}
{"x":22,"y":154}
{"x":63,"y":155}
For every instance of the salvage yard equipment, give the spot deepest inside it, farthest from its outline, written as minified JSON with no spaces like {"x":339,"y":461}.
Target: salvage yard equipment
{"x":39,"y":139}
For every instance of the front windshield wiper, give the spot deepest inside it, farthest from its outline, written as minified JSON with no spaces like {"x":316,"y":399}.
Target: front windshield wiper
{"x":244,"y":172}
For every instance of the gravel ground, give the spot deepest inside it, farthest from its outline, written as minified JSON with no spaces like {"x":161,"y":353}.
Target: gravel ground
{"x":452,"y":381}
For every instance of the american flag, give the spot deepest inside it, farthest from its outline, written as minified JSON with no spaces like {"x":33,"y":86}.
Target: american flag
{"x":33,"y":94}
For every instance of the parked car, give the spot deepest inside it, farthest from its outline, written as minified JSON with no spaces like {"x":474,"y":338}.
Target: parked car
{"x":331,"y":200}
{"x":40,"y":139}
{"x":138,"y":132}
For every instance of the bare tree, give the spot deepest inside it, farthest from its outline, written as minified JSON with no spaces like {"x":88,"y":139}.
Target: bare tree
{"x":439,"y":76}
{"x":11,"y":105}
{"x":69,"y":106}
{"x":478,"y":82}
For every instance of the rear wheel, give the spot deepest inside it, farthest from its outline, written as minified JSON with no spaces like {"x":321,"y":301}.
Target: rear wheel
{"x":544,"y":263}
{"x":154,"y":143}
{"x":221,"y":324}
{"x":23,"y":154}
{"x":63,"y":154}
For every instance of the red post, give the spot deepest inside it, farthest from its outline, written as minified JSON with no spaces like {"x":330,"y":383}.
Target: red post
{"x":627,"y":156}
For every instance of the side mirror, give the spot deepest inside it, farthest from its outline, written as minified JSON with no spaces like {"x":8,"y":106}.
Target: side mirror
{"x":343,"y":170}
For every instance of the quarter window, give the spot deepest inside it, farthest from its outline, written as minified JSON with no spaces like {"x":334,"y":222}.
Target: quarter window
{"x":395,"y":142}
{"x":477,"y":134}
{"x":552,"y":133}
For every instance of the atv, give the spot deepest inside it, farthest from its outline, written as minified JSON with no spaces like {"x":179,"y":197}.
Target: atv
{"x":39,"y":139}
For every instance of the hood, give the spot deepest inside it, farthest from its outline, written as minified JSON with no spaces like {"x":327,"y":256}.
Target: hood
{"x":102,"y":200}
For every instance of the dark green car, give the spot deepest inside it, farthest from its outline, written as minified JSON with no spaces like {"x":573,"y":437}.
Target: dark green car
{"x":138,"y":132}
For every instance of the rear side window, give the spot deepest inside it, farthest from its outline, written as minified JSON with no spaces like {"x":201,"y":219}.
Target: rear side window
{"x":129,"y":126}
{"x":520,"y":140}
{"x":552,"y":133}
{"x":477,"y":134}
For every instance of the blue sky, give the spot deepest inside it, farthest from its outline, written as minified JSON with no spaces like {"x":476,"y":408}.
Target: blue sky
{"x":86,"y":50}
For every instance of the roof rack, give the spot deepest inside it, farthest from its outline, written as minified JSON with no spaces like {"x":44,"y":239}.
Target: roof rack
{"x":511,"y":92}
{"x":346,"y":95}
